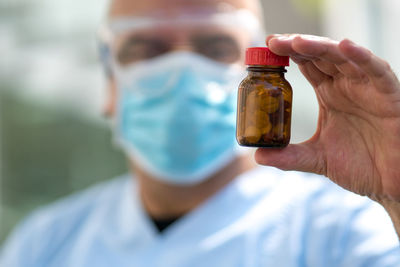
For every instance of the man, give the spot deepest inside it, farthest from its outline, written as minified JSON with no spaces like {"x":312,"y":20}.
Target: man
{"x":194,"y":198}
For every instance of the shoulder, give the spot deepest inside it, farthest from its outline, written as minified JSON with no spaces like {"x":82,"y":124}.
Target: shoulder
{"x":316,"y":219}
{"x":291,"y":184}
{"x":49,"y":227}
{"x":297,"y":186}
{"x":306,"y":195}
{"x":76,"y":208}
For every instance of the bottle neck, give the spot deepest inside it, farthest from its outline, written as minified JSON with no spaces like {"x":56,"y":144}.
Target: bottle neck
{"x":266,"y":69}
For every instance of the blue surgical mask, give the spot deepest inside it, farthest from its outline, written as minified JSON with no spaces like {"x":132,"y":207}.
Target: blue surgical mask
{"x":176,"y":115}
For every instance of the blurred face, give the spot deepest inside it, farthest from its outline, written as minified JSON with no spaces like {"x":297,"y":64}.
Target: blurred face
{"x":160,"y":34}
{"x":177,"y":64}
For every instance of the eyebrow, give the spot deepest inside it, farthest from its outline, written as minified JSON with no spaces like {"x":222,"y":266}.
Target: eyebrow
{"x":139,"y":38}
{"x":214,"y":37}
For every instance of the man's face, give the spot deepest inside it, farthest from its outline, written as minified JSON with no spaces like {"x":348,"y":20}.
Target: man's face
{"x":177,"y":64}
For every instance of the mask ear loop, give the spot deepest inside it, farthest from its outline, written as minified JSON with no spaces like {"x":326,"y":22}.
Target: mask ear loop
{"x":105,"y":57}
{"x":104,"y":50}
{"x":105,"y":54}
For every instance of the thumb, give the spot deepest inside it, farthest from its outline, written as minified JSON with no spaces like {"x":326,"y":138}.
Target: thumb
{"x":300,"y":157}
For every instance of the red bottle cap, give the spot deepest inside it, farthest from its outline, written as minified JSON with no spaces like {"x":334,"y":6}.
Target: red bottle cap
{"x":263,"y":56}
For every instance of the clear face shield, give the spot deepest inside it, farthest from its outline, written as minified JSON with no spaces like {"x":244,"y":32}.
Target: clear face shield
{"x":216,"y":35}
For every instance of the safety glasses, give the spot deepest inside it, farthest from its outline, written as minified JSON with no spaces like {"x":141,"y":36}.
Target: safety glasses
{"x":219,"y":36}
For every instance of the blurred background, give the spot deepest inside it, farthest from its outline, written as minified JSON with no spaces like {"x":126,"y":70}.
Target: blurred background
{"x":53,"y":137}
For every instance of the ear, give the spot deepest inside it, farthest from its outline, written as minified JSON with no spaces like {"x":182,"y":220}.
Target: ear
{"x":111,"y":100}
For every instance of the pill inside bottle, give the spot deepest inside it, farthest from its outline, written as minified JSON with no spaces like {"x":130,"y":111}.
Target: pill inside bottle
{"x":264,"y":101}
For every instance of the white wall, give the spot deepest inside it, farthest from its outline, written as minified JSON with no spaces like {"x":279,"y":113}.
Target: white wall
{"x":50,"y":52}
{"x":372,"y":23}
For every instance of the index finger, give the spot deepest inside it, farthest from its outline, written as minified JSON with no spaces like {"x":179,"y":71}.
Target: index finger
{"x":377,"y":69}
{"x":309,"y":46}
{"x":316,"y":49}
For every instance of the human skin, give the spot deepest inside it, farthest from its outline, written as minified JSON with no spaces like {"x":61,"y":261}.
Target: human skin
{"x":357,"y":141}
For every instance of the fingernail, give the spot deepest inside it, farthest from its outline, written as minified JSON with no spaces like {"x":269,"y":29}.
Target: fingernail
{"x":311,"y":37}
{"x":283,"y":37}
{"x":350,"y":42}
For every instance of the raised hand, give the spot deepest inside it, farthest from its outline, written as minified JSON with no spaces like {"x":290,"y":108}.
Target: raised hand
{"x":357,"y":142}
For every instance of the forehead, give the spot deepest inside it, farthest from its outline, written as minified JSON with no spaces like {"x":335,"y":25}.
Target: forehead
{"x":173,"y":7}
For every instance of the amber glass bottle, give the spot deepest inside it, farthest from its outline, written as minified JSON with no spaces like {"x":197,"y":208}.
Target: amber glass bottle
{"x":264,"y":101}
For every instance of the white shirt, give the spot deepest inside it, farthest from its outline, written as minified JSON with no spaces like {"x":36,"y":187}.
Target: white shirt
{"x":265,"y":217}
